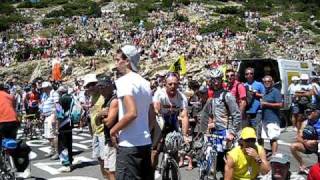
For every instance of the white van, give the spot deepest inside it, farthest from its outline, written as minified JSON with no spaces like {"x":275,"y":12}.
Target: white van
{"x":281,"y":71}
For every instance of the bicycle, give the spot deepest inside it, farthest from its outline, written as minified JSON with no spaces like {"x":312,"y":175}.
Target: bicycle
{"x":207,"y":162}
{"x":169,"y":168}
{"x":7,"y":168}
{"x":32,"y":126}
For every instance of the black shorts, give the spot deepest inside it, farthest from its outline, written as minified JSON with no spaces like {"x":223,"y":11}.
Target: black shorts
{"x":134,"y":163}
{"x":8,"y":130}
{"x":298,"y":108}
{"x":308,"y":151}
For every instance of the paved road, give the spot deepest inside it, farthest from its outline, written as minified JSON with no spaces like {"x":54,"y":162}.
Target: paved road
{"x":87,"y":168}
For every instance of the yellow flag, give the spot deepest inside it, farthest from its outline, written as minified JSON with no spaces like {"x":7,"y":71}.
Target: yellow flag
{"x":179,"y":66}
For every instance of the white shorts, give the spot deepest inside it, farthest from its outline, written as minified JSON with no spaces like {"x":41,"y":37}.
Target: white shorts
{"x":98,"y":144}
{"x":110,"y":158}
{"x":49,"y":127}
{"x":270,"y":131}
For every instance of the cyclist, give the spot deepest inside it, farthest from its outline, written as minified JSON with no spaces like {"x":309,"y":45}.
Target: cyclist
{"x":246,"y":160}
{"x":33,"y":99}
{"x":169,"y":104}
{"x":224,"y":105}
{"x":8,"y":116}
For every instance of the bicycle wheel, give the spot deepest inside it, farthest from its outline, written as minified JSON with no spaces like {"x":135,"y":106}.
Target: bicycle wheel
{"x":7,"y":172}
{"x":171,"y":171}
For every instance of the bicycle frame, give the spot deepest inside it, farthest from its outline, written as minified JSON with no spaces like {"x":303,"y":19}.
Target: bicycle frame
{"x":208,"y":161}
{"x":8,"y":167}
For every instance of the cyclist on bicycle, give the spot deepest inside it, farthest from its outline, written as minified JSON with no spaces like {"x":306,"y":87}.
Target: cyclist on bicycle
{"x":224,"y":117}
{"x":169,"y":103}
{"x":33,"y":100}
{"x":8,"y":116}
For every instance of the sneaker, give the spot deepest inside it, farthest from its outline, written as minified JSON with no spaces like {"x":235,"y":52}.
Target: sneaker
{"x":51,"y":153}
{"x":55,"y":157}
{"x":24,"y":175}
{"x":157,"y":174}
{"x":76,"y":161}
{"x":65,"y":169}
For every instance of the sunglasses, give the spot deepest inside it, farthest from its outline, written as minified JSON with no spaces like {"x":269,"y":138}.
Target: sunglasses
{"x":267,"y":81}
{"x":308,"y":111}
{"x":250,"y":140}
{"x":173,"y":84}
{"x":249,"y":74}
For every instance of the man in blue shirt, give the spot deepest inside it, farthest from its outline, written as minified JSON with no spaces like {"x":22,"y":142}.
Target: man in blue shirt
{"x":271,"y":104}
{"x":307,"y":140}
{"x":253,"y":113}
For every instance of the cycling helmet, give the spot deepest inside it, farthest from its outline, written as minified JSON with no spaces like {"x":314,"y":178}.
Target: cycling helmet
{"x":173,"y":141}
{"x":214,"y":73}
{"x":309,"y":133}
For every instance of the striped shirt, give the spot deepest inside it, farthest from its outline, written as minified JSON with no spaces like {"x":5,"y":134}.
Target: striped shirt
{"x":49,"y":102}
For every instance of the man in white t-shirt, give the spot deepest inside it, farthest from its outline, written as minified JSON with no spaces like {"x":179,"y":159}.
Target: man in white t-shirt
{"x":169,"y":104}
{"x":302,"y":98}
{"x":292,"y":89}
{"x":136,"y":115}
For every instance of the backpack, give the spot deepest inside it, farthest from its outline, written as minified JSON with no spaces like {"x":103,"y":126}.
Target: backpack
{"x":21,"y":155}
{"x":249,"y":96}
{"x":75,"y":111}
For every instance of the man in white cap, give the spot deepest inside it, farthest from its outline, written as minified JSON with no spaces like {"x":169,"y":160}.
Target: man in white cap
{"x":49,"y":99}
{"x":136,"y":115}
{"x":280,"y":169}
{"x":95,"y":108}
{"x":293,"y":87}
{"x":302,"y":99}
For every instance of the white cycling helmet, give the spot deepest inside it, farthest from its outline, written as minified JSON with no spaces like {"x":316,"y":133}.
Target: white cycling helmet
{"x":214,"y":73}
{"x":173,"y":141}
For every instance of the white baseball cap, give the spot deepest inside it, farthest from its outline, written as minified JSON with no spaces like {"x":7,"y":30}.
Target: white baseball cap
{"x":133,"y":56}
{"x":304,"y":77}
{"x":46,"y":84}
{"x":295,"y":78}
{"x":89,"y":78}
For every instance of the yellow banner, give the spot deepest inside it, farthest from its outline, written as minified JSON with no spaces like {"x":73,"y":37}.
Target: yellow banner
{"x":179,"y":66}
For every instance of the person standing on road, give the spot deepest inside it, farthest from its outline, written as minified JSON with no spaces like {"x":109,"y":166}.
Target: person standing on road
{"x":109,"y":117}
{"x":65,"y":125}
{"x":257,"y":90}
{"x":48,"y":108}
{"x":8,"y":116}
{"x":271,"y":104}
{"x":96,"y":113}
{"x":293,"y":87}
{"x":133,"y":161}
{"x":302,"y":98}
{"x":238,"y":91}
{"x":224,"y":118}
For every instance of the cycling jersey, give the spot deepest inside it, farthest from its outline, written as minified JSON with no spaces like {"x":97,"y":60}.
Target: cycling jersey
{"x":170,"y":108}
{"x":224,"y":105}
{"x":33,"y":99}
